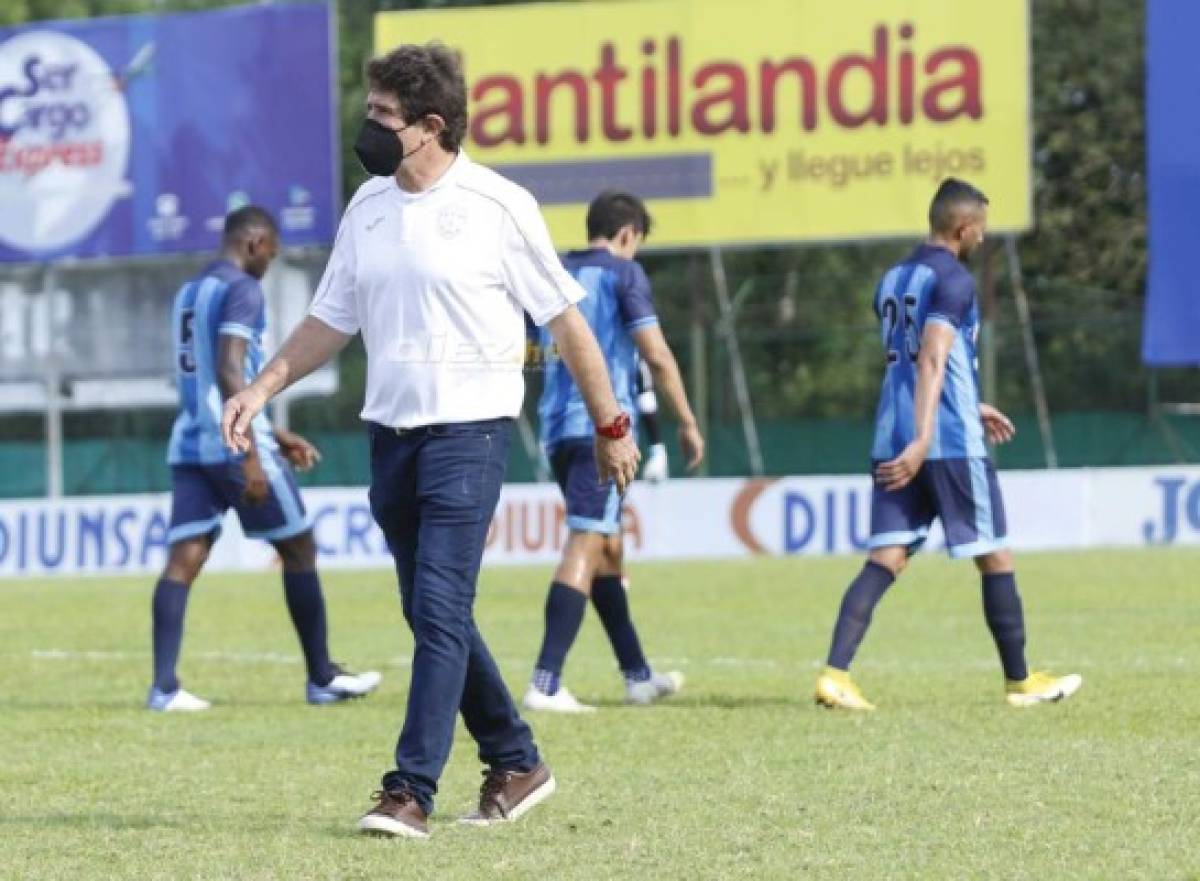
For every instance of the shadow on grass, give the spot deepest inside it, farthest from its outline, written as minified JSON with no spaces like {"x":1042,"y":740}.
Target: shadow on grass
{"x":94,"y":820}
{"x":707,"y":702}
{"x":443,"y":822}
{"x":73,"y":703}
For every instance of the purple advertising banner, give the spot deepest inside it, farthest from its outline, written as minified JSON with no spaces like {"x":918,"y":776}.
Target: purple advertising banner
{"x":1170,"y":336}
{"x":137,"y":135}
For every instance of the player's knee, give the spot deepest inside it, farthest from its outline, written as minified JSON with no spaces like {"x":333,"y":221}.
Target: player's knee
{"x":582,"y":558}
{"x":186,"y":559}
{"x":298,"y":553}
{"x":893,"y":559}
{"x":996,"y":562}
{"x":612,"y":556}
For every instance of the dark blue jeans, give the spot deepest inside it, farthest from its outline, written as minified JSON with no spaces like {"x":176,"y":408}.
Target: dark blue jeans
{"x":433,"y":493}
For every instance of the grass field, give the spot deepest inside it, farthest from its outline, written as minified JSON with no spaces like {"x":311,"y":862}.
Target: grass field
{"x":741,"y":777}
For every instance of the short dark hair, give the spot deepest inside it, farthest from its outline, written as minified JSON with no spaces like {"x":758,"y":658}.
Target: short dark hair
{"x":614,"y":209}
{"x":428,"y":80}
{"x":950,"y":197}
{"x":246,"y":220}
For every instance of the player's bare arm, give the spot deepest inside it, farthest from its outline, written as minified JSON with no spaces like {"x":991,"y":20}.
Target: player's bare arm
{"x":998,"y":427}
{"x":652,"y":346}
{"x":936,"y":343}
{"x":616,"y":459}
{"x":231,"y":380}
{"x":309,"y":346}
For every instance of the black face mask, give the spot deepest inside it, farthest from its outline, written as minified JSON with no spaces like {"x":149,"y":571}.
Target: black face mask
{"x":378,"y":148}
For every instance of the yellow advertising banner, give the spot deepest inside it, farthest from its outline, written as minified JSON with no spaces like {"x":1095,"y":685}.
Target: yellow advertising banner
{"x":760,"y":121}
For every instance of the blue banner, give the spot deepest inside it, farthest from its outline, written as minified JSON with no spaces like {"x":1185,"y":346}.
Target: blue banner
{"x":137,"y":135}
{"x":1172,"y":326}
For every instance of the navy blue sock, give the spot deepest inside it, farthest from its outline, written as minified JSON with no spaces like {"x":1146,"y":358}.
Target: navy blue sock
{"x":166,"y":610}
{"x":1006,"y":620}
{"x":612,"y":605}
{"x":306,"y":605}
{"x":564,"y":616}
{"x":854,"y":617}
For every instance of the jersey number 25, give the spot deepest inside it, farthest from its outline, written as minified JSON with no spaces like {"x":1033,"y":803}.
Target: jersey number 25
{"x":186,"y":347}
{"x":893,"y":318}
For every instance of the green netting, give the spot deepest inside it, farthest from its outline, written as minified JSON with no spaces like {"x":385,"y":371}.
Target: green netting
{"x":799,"y":446}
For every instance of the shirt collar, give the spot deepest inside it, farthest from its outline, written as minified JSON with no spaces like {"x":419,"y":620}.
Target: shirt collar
{"x":452,"y":173}
{"x":222,"y":263}
{"x":928,"y":248}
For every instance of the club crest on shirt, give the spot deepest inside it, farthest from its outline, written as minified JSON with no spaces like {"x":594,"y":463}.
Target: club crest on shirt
{"x":451,"y":220}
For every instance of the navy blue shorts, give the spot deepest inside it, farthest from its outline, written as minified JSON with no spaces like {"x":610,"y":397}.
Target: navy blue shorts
{"x":201,"y":494}
{"x":591,"y":505}
{"x":964,"y":493}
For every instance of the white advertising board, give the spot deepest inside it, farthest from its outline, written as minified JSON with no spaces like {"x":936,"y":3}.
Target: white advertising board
{"x":682,"y":519}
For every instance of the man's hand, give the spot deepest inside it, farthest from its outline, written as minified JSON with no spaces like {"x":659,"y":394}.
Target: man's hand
{"x":302,"y":454}
{"x":900,"y":472}
{"x":235,"y":418}
{"x":998,"y":427}
{"x":692,"y":444}
{"x":257,"y":489}
{"x":617,"y":460}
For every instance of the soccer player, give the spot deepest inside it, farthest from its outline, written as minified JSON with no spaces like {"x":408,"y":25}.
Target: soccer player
{"x":620,"y":310}
{"x":217,"y":325}
{"x":929,"y":457}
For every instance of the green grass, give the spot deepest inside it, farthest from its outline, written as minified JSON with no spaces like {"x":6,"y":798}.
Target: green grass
{"x":739,"y":778}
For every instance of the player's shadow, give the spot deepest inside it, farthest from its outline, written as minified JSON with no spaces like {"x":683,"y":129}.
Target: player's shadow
{"x":708,"y":702}
{"x":444,"y":822}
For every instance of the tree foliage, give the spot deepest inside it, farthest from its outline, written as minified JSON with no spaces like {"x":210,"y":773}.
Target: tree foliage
{"x":807,"y":335}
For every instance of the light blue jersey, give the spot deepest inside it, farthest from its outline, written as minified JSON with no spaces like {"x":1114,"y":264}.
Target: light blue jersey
{"x":618,"y":302}
{"x":221,"y":300}
{"x":931,"y":285}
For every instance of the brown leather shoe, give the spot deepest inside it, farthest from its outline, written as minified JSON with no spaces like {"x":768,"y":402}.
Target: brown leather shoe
{"x":396,"y":815}
{"x":506,"y":795}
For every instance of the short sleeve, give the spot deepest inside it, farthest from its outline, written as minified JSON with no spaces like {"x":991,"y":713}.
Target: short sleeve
{"x":635,"y":299}
{"x":534,"y":275}
{"x":242,"y":309}
{"x":952,"y":299}
{"x":335,"y":302}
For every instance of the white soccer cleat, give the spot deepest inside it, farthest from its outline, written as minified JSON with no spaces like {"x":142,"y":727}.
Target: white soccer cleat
{"x":343,"y":686}
{"x":562,"y":701}
{"x":658,"y":686}
{"x":177,"y":701}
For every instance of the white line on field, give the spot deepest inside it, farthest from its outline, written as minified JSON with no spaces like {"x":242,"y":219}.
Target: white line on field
{"x":398,"y":661}
{"x":226,"y":657}
{"x":908,"y":665}
{"x":233,"y":657}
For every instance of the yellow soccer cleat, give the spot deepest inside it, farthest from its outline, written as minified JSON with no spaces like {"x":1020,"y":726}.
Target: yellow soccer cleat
{"x":836,"y":690}
{"x":1041,"y":688}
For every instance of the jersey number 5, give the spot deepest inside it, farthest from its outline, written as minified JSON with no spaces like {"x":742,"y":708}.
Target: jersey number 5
{"x":892,"y":317}
{"x":187,"y":355}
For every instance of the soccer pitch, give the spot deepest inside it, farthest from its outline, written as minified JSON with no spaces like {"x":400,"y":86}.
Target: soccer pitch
{"x":739,"y":777}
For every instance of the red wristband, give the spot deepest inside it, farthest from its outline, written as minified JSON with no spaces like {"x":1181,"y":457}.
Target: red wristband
{"x":616,"y":429}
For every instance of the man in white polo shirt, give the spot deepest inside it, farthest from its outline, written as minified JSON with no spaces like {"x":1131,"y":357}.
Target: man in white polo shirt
{"x":434,"y":263}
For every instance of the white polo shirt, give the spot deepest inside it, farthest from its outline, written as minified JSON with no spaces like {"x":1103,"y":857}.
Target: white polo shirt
{"x":437,"y":283}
